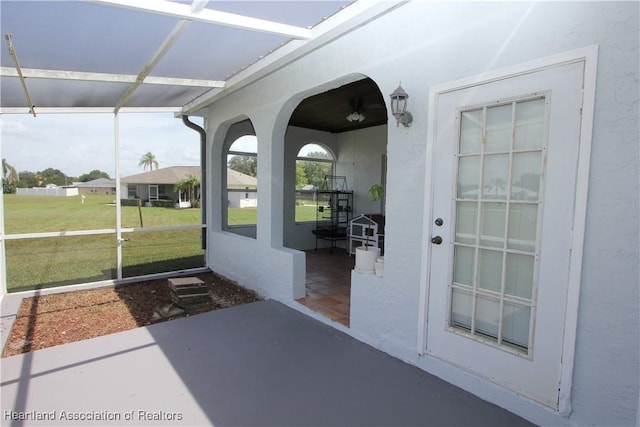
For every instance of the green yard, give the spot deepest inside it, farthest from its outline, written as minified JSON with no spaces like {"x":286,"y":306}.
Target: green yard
{"x":53,"y":261}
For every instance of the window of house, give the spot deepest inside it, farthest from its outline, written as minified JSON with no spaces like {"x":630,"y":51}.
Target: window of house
{"x":242,"y":181}
{"x":313,"y":163}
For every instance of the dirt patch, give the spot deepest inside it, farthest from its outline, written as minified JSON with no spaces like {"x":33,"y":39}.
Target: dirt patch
{"x":49,"y":320}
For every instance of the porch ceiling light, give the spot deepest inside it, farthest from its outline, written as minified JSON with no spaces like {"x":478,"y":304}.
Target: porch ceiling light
{"x":356,"y":114}
{"x":399,"y":107}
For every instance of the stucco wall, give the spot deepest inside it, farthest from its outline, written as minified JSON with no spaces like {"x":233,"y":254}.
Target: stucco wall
{"x":437,"y":43}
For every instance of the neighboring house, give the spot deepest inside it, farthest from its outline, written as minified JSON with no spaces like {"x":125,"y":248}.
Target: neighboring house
{"x":242,"y":190}
{"x":103,"y":186}
{"x":159,"y":185}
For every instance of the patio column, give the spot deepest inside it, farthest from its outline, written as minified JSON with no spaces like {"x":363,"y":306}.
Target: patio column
{"x":270,"y":183}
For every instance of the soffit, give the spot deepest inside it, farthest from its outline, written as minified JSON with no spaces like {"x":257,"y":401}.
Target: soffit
{"x":327,"y":111}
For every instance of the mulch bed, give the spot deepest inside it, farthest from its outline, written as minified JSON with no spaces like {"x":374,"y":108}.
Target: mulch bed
{"x":49,"y":320}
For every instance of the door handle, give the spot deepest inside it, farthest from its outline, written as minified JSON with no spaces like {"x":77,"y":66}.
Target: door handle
{"x":436,"y":240}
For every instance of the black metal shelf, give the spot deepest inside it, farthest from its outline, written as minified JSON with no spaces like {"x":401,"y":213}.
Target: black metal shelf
{"x":334,"y":211}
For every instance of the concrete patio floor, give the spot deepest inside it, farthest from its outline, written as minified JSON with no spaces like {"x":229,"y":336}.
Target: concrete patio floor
{"x":257,"y":364}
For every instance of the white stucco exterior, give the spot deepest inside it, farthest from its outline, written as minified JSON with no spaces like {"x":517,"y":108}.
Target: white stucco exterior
{"x":426,"y":44}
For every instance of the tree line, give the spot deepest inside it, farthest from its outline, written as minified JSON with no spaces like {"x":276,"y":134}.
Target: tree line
{"x":307,"y":171}
{"x":12,"y":179}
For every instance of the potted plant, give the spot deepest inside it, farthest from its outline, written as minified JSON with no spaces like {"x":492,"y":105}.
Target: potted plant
{"x":367,"y":254}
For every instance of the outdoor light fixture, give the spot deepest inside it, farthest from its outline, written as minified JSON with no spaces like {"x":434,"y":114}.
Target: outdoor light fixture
{"x":355,"y":115}
{"x":399,"y":107}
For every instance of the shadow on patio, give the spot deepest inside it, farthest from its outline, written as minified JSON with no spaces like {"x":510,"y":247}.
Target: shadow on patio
{"x":257,"y":364}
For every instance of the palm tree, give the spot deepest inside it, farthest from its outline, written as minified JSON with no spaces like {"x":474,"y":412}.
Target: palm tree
{"x":148,"y":160}
{"x":9,"y":173}
{"x":188,"y":185}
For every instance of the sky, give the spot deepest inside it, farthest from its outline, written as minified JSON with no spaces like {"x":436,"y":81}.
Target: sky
{"x":77,"y":144}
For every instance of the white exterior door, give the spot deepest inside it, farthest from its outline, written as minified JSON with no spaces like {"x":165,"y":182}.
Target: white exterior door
{"x":504,"y":183}
{"x":153,"y":192}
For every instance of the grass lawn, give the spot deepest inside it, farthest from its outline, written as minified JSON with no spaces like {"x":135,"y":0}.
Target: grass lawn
{"x":37,"y":214}
{"x":306,"y":212}
{"x":55,"y":261}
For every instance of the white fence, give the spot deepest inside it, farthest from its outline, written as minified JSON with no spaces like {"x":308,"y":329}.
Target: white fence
{"x":41,"y":191}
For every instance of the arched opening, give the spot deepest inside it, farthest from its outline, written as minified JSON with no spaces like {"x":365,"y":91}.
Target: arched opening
{"x":240,"y":180}
{"x":313,"y":163}
{"x":340,"y":135}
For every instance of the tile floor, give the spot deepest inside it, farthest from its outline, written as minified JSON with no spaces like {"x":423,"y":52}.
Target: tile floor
{"x":329,"y":283}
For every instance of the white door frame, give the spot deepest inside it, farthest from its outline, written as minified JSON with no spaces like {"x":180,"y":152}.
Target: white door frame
{"x":157,"y":188}
{"x":589,"y":56}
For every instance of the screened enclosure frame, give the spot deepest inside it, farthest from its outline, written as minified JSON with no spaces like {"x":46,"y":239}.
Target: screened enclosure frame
{"x":119,"y":233}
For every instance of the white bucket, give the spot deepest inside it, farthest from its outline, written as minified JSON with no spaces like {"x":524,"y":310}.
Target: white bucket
{"x":366,"y":257}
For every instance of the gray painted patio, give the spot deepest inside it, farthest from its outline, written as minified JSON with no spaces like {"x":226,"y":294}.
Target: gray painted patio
{"x":258,"y":364}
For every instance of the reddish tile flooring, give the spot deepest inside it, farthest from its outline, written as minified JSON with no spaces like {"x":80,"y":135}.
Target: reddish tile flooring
{"x":329,"y":283}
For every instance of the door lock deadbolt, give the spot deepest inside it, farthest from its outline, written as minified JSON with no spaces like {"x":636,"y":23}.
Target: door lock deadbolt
{"x":439,"y":222}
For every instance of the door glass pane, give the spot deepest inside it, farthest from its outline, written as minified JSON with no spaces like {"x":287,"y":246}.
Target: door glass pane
{"x":522,"y":227}
{"x":461,"y":306}
{"x":529,"y":124}
{"x":515,"y":325}
{"x":463,"y":260}
{"x":499,"y":180}
{"x":471,"y":131}
{"x":496,"y":172}
{"x":492,"y":228}
{"x":468,"y":177}
{"x":526,"y":176}
{"x":498,"y":128}
{"x":519,"y":275}
{"x":466,"y":218}
{"x":487,"y":316}
{"x":490,"y":270}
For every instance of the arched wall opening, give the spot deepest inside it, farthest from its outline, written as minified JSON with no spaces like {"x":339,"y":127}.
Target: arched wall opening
{"x":239,"y":180}
{"x":348,"y":119}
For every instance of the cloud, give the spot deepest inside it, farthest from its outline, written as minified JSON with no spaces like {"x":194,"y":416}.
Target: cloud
{"x":79,"y":143}
{"x":10,"y":127}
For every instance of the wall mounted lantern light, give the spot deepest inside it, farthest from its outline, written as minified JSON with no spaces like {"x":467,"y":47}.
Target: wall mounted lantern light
{"x":356,"y":111}
{"x":399,"y":107}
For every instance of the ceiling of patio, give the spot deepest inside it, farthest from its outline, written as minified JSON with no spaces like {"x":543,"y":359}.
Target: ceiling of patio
{"x":177,"y":55}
